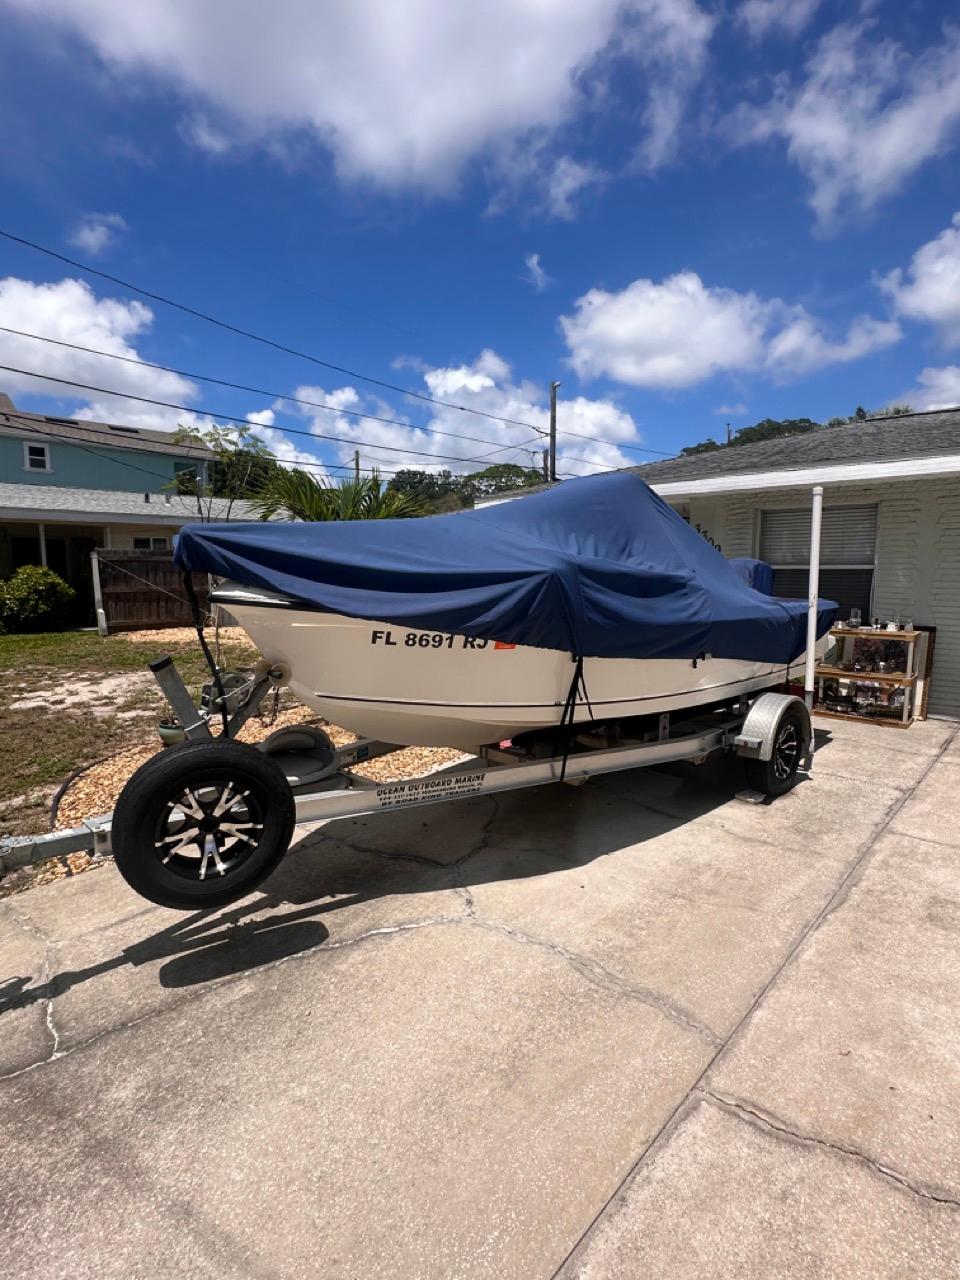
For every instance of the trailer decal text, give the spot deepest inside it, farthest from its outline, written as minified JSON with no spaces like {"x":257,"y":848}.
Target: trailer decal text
{"x":439,"y":787}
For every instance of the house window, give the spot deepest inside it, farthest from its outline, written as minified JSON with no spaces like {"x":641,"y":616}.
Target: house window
{"x":151,"y":544}
{"x":187,"y":475}
{"x":848,"y":552}
{"x":36,"y":457}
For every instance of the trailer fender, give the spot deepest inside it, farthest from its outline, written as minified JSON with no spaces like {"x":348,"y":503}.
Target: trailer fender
{"x":759,"y":733}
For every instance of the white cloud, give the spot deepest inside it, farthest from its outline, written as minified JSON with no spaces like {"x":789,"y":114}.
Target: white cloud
{"x":681,"y":332}
{"x":535,"y":273}
{"x":731,"y":410}
{"x":668,"y":39}
{"x":97,"y":231}
{"x":401,"y":93}
{"x":936,"y":389}
{"x":205,"y":136}
{"x":486,"y":384}
{"x":565,"y":181}
{"x":529,"y":173}
{"x":665,"y":335}
{"x":280,"y":445}
{"x":929,"y":289}
{"x":764,"y":18}
{"x":867,"y":115}
{"x":801,"y":346}
{"x":70,"y":311}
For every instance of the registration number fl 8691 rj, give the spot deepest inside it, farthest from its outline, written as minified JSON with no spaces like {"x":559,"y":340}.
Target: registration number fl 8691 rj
{"x":435,"y":640}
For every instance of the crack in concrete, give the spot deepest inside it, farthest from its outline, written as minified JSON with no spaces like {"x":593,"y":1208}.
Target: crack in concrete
{"x":26,"y":925}
{"x":912,"y":835}
{"x":585,"y":966}
{"x":216,"y":984}
{"x":604,"y":978}
{"x":24,"y":922}
{"x":764,"y":1122}
{"x":848,"y":879}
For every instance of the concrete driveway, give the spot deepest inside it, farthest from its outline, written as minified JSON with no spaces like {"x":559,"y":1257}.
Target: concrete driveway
{"x":633,"y":1029}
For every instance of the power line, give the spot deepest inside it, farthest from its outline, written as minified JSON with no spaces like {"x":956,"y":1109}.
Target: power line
{"x":230,"y":417}
{"x":616,"y":444}
{"x":239,"y":386}
{"x":279,"y":346}
{"x":256,"y":337}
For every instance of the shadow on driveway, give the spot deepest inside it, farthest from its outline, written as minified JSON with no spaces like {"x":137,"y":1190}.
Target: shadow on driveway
{"x":352,"y":862}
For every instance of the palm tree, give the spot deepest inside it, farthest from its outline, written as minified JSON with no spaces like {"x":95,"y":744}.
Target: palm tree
{"x":297,"y":495}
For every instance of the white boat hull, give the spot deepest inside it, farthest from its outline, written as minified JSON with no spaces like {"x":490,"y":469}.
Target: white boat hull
{"x":431,"y":689}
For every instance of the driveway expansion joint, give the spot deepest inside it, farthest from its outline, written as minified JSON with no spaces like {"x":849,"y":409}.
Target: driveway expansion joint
{"x":836,"y":899}
{"x":758,"y":1118}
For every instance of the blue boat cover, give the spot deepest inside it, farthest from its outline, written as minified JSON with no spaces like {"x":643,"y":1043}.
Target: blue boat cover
{"x":599,"y":567}
{"x":755,"y":573}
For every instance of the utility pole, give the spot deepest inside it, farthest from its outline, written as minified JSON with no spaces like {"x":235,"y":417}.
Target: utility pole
{"x":729,"y":433}
{"x":546,"y":466}
{"x":553,"y":430}
{"x":356,"y":465}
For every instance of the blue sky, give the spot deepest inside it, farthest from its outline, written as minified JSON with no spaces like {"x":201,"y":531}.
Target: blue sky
{"x":737,"y":211}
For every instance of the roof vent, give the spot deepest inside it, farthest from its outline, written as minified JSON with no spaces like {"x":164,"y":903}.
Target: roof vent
{"x":63,"y":422}
{"x":127,"y":431}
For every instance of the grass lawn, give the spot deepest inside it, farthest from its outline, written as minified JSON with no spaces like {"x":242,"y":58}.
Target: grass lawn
{"x":97,"y":698}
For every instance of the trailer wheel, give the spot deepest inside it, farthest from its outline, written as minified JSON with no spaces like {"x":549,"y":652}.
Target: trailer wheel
{"x":777,"y":775}
{"x":203,"y":824}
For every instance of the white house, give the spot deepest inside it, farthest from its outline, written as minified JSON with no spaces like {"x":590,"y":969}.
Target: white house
{"x":891,"y":524}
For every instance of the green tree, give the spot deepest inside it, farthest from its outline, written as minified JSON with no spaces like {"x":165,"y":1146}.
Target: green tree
{"x":501,"y":478}
{"x":236,"y":464}
{"x":705,"y":446}
{"x":442,"y":491}
{"x":438,"y":490}
{"x":295,"y":495}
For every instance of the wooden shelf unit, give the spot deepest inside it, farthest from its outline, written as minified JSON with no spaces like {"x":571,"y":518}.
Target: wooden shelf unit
{"x":871,"y":633}
{"x":867,"y":677}
{"x":905,"y":680}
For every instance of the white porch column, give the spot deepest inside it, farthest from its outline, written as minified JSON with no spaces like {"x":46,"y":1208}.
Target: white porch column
{"x":43,"y":544}
{"x":813,"y":593}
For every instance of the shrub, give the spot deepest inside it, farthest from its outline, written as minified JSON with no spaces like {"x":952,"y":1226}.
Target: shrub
{"x":35,"y":599}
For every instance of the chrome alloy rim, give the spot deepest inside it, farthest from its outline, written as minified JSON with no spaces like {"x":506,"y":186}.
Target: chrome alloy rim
{"x":786,"y":751}
{"x":208,"y":830}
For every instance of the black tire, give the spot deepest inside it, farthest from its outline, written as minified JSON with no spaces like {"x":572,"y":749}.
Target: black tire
{"x":151,"y":839}
{"x":774,"y":777}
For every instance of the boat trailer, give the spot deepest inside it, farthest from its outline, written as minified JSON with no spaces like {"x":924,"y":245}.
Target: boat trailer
{"x":201,"y":824}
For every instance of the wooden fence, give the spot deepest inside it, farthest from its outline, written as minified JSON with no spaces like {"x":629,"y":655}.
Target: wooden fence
{"x":139,"y":590}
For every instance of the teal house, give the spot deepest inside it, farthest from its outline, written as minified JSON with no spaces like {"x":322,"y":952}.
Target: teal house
{"x":68,"y":487}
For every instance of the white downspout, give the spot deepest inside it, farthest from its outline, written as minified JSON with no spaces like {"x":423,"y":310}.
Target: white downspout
{"x":813,"y":593}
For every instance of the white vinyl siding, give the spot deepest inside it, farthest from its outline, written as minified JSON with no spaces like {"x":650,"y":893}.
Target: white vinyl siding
{"x":917,"y":571}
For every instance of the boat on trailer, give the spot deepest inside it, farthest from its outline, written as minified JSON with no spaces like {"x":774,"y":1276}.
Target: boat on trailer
{"x":436,"y":689}
{"x":579,"y":631}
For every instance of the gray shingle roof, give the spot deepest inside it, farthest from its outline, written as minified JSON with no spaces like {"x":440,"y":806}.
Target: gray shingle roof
{"x":909,"y":435}
{"x":106,"y":435}
{"x":93,"y":506}
{"x":914,"y":435}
